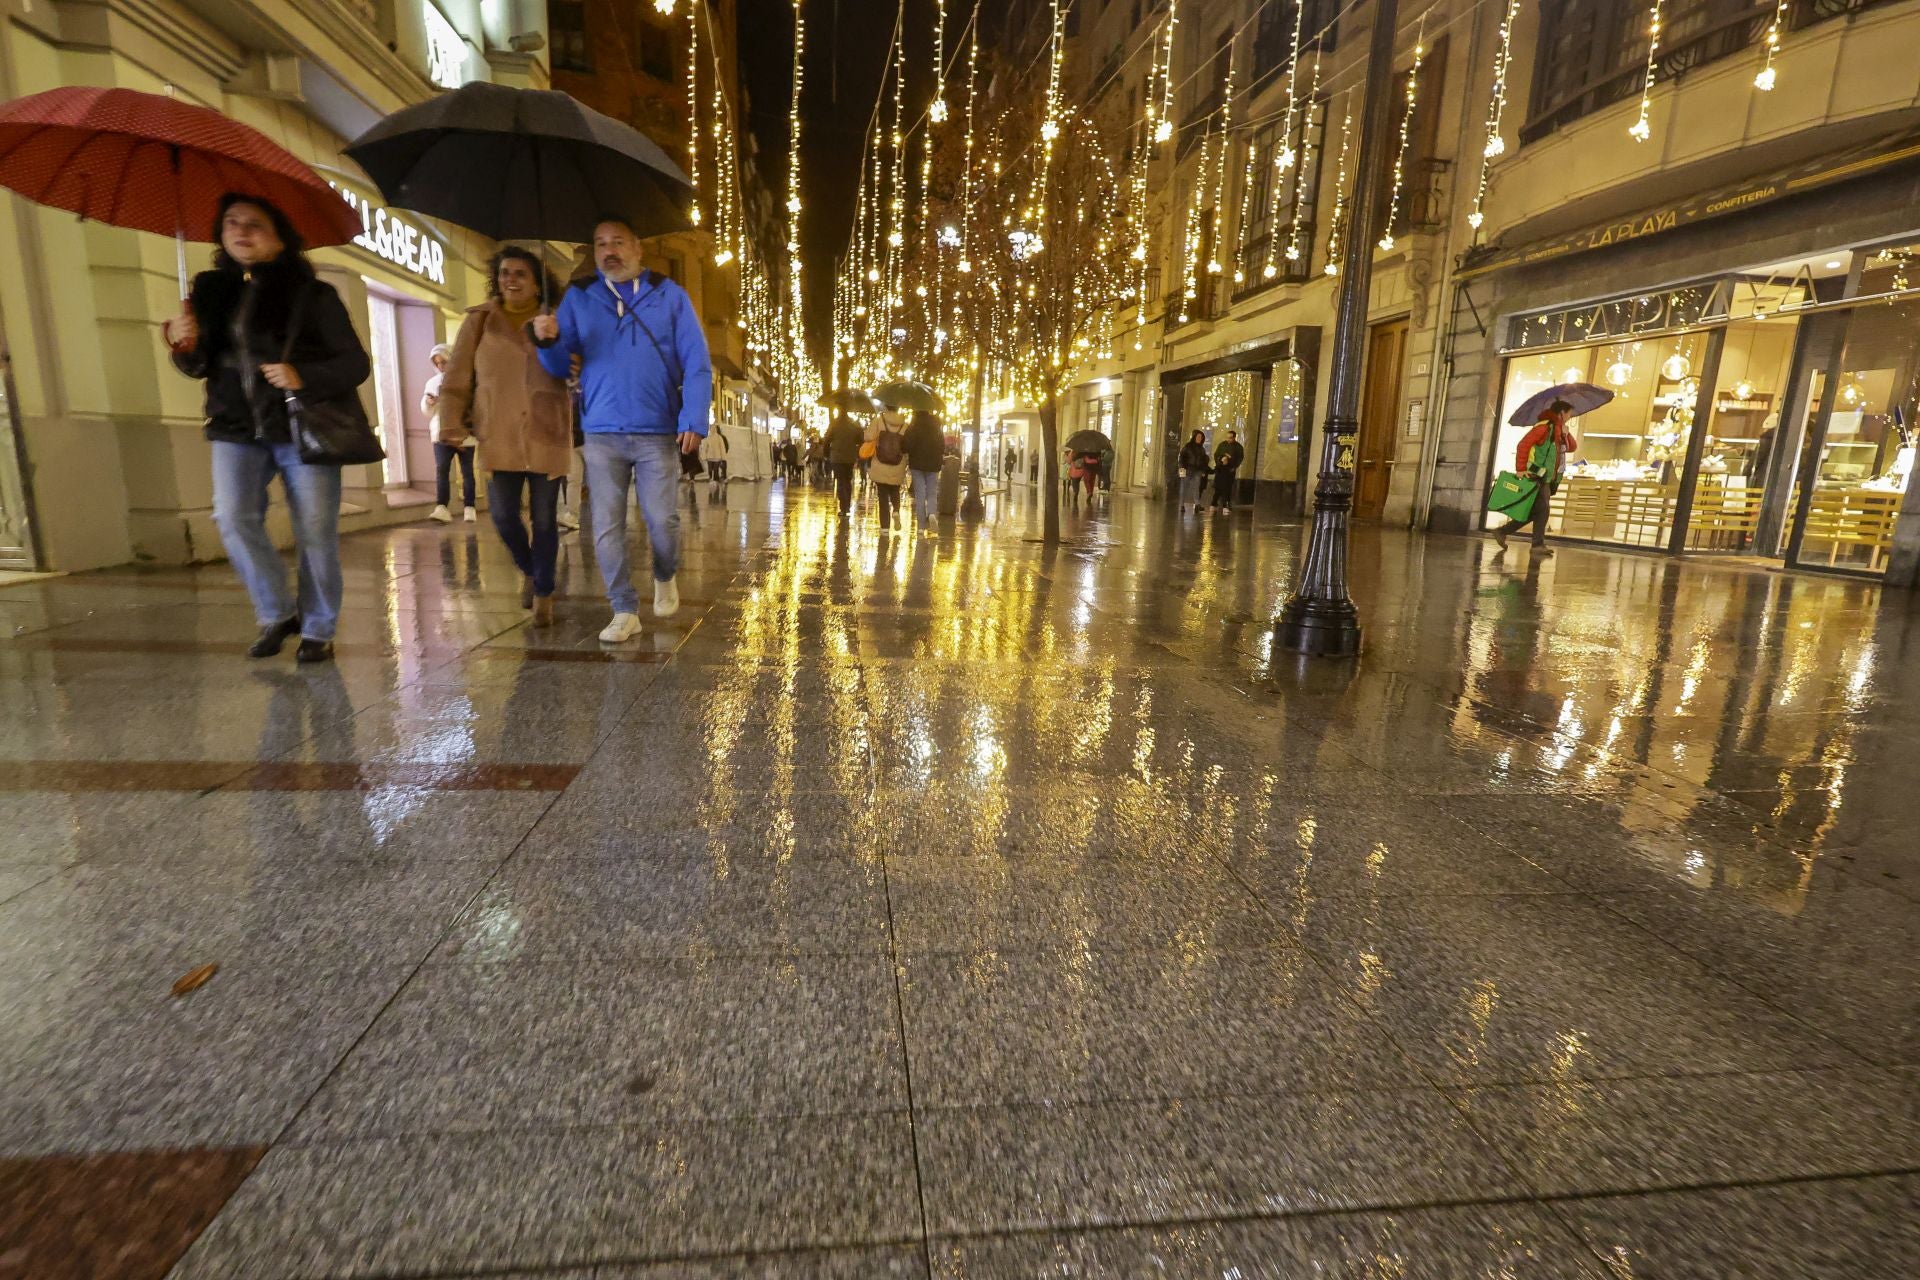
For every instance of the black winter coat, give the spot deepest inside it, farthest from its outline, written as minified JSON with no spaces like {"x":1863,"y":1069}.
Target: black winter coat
{"x":842,"y":441}
{"x":1193,"y":457}
{"x":926,"y":445}
{"x":1229,"y":455}
{"x":243,"y":319}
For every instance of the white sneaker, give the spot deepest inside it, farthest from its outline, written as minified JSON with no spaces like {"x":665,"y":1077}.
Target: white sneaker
{"x":472,"y":516}
{"x":567,"y":521}
{"x":441,"y":514}
{"x":666,"y":598}
{"x":625,"y":626}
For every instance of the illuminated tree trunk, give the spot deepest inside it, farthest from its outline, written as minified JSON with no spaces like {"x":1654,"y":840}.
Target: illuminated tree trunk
{"x":1050,"y":473}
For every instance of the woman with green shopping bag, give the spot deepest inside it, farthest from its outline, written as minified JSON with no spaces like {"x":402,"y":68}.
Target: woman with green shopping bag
{"x":1542,"y":460}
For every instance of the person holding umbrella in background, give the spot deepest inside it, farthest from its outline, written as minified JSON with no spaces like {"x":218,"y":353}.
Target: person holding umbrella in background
{"x":841,"y":447}
{"x":646,"y":384}
{"x":521,"y":415}
{"x":1542,"y":458}
{"x":259,"y":327}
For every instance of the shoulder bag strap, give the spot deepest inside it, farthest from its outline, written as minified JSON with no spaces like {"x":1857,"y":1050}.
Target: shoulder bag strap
{"x":676,"y":375}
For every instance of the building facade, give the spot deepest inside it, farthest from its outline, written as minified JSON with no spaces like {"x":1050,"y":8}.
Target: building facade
{"x":103,"y":460}
{"x":1247,"y":156}
{"x":1731,"y":259}
{"x":1731,"y":251}
{"x":639,"y":64}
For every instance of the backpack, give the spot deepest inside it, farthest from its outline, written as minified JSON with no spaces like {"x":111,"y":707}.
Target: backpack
{"x":889,"y":448}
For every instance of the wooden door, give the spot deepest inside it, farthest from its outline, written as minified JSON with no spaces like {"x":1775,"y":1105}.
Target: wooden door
{"x":1379,"y":418}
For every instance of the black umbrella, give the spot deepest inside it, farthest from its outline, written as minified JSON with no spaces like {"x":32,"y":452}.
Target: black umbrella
{"x":850,"y":400}
{"x":1088,"y":442}
{"x":522,"y":164}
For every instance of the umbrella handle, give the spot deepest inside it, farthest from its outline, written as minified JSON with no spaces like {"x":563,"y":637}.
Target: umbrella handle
{"x":179,"y":227}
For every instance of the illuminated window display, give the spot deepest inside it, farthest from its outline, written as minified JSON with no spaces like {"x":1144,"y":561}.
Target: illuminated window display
{"x":1777,"y":417}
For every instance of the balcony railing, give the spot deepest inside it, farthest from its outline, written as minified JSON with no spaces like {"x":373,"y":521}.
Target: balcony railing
{"x":1721,"y":39}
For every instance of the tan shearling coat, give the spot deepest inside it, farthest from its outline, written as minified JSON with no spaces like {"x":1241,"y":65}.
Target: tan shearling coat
{"x":496,"y":389}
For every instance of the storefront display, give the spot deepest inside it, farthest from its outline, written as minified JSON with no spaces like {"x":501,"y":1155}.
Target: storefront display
{"x":1721,"y":424}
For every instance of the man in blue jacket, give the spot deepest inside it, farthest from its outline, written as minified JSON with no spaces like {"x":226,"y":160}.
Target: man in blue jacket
{"x":646,"y":385}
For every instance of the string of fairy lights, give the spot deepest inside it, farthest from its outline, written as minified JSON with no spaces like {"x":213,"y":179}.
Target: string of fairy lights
{"x":909,"y":297}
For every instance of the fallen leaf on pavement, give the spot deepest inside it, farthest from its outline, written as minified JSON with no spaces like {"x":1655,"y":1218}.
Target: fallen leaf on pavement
{"x":195,"y":980}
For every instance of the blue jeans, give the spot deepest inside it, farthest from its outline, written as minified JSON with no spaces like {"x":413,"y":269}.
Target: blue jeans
{"x":926,"y":485}
{"x":534,"y":558}
{"x":443,"y":456}
{"x":241,"y":473}
{"x":650,"y":465}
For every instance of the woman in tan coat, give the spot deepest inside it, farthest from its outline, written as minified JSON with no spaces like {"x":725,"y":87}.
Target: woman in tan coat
{"x":496,"y":389}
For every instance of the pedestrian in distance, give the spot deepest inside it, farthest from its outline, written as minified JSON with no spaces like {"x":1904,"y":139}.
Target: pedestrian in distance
{"x":692,"y":467}
{"x":926,"y":452}
{"x":258,"y":327}
{"x":888,"y":465}
{"x":841,"y":447}
{"x":713,"y":454}
{"x":1542,"y":458}
{"x":1194,"y":466}
{"x":498,"y":392}
{"x":445,"y":453}
{"x":646,"y":382}
{"x":1227,"y":458}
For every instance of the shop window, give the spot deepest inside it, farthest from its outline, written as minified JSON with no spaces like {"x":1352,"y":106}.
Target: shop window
{"x":1422,"y":202}
{"x":1623,"y":482}
{"x":1273,"y":37}
{"x":1592,"y":54}
{"x":567,"y":29}
{"x":653,"y":49}
{"x":1867,"y":409}
{"x":1280,"y":213}
{"x":1210,"y":80}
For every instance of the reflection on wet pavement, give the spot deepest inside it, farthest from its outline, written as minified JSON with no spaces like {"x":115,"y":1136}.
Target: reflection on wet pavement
{"x":948,"y":906}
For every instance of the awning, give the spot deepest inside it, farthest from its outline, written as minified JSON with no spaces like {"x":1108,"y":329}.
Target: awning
{"x":1809,"y":175}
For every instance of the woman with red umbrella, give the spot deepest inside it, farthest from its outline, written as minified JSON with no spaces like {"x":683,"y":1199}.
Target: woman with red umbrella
{"x":258,"y":326}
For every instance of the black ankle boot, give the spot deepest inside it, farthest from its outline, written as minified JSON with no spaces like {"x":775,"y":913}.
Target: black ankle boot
{"x":274,"y":638}
{"x":314,"y":651}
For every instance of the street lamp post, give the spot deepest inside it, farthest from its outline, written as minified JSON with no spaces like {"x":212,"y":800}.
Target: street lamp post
{"x":1319,"y":618}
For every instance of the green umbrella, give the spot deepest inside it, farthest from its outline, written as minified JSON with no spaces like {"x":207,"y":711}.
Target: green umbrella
{"x":850,"y":400}
{"x":910,"y":395}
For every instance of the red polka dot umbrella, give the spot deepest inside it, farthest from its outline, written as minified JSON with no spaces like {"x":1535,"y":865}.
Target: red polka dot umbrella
{"x":154,"y":163}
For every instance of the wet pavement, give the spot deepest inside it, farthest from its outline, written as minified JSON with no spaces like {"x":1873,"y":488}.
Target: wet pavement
{"x":945,"y":906}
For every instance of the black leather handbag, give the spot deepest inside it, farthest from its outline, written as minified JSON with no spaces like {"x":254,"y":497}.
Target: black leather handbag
{"x":329,"y":431}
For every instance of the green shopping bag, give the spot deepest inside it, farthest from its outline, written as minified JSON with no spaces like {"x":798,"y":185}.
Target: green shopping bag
{"x":1513,"y":496}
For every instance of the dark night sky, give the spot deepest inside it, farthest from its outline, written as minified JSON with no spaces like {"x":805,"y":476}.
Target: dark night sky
{"x":848,"y":43}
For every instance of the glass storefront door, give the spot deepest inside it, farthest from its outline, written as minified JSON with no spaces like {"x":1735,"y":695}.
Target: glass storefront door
{"x":1858,"y":459}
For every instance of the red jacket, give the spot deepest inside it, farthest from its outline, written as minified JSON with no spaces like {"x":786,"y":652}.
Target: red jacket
{"x":1538,"y":435}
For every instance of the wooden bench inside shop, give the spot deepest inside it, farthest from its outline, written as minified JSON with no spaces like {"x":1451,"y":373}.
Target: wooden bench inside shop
{"x":1725,"y":517}
{"x":1842,"y":519}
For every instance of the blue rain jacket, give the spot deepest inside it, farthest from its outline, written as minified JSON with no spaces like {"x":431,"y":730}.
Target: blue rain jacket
{"x":629,"y":381}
